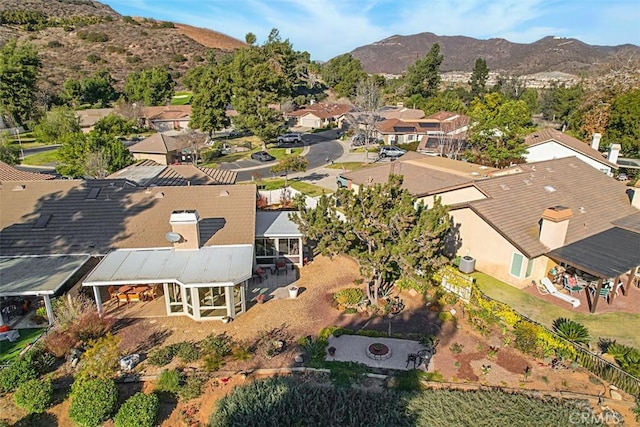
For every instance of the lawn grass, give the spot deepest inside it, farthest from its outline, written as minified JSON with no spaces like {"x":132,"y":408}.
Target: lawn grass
{"x":41,"y":158}
{"x":10,"y":350}
{"x":306,"y":188}
{"x":281,"y":153}
{"x":622,"y":327}
{"x":181,"y":98}
{"x":349,"y":166}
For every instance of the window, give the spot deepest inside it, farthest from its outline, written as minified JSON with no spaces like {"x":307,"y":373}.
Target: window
{"x":289,"y":247}
{"x":516,"y":264}
{"x":529,"y":268}
{"x":265,"y":247}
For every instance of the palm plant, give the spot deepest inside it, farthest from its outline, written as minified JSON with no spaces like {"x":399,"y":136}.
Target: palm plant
{"x":570,"y":330}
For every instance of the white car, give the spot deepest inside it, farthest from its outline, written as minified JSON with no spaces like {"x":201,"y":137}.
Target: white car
{"x":392,"y":152}
{"x":289,"y":137}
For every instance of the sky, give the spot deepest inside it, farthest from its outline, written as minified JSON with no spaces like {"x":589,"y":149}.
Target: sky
{"x":327,"y":28}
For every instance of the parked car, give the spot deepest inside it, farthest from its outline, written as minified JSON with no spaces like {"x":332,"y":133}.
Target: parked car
{"x":342,"y":182}
{"x":296,"y":138}
{"x":622,"y":177}
{"x":392,"y":151}
{"x":262,"y":156}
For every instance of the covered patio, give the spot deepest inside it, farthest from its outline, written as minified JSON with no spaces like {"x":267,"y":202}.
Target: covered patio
{"x":28,"y":277}
{"x":204,"y":284}
{"x":605,"y":265}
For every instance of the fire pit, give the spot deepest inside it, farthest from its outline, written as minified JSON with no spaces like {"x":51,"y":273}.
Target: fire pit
{"x":378,"y":351}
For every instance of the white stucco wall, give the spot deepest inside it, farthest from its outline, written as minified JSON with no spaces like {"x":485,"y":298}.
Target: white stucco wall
{"x":453,"y":197}
{"x":552,"y":150}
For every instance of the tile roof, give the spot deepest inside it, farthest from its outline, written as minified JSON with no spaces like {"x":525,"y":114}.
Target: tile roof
{"x":398,"y":126}
{"x":73,"y":217}
{"x":162,"y":111}
{"x":9,"y":173}
{"x":423,"y":175}
{"x":90,"y":116}
{"x":159,"y":143}
{"x":322,"y":110}
{"x":516,"y":201}
{"x":549,"y":134}
{"x":148,"y":172}
{"x":402,"y":113}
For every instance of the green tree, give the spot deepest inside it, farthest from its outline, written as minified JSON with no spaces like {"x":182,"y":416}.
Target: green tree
{"x":96,"y":154}
{"x":19,"y":67}
{"x":423,"y":76}
{"x":559,"y":102}
{"x":56,"y":123}
{"x":71,"y":92}
{"x":250,"y":38}
{"x":212,"y":94}
{"x":290,"y":164}
{"x":624,"y":123}
{"x":479,"y":76}
{"x":8,"y":153}
{"x":152,"y":86}
{"x":114,"y":124}
{"x":497,"y":136}
{"x":97,"y":89}
{"x":342,"y":74}
{"x":447,"y":100}
{"x":383,"y":228}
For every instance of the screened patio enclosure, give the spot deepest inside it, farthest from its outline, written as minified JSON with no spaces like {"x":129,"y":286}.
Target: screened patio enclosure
{"x":204,"y":284}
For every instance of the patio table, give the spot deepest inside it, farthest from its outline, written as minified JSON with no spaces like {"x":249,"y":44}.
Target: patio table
{"x":124,"y":289}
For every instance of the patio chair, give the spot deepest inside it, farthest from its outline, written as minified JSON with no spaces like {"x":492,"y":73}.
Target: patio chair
{"x":122,"y":298}
{"x":113,"y":294}
{"x":571,"y":285}
{"x":260,"y":273}
{"x":281,"y":265}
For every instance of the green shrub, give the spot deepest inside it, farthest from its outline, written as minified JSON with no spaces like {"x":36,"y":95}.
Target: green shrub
{"x":101,"y":359}
{"x":178,"y":58}
{"x":571,"y":330}
{"x":59,"y":343}
{"x":526,"y":337}
{"x":93,"y":401}
{"x":349,"y":297}
{"x":371,"y":333}
{"x":140,"y":410}
{"x":170,"y":381}
{"x":212,"y":362}
{"x":410,"y":380}
{"x":219,"y":344}
{"x":34,"y":395}
{"x":191,"y":388}
{"x":241,"y":351}
{"x":162,"y":356}
{"x":420,"y":286}
{"x":187,"y":351}
{"x":20,"y":371}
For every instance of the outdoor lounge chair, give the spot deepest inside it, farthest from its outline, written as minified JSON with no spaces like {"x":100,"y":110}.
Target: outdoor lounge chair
{"x":571,"y":285}
{"x":575,"y":302}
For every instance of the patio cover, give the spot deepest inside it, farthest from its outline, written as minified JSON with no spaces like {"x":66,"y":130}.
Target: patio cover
{"x":37,"y":275}
{"x":607,"y":254}
{"x":276,"y":224}
{"x":211,"y":265}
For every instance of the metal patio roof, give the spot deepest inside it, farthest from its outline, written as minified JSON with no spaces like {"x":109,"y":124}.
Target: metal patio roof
{"x":211,"y":265}
{"x":37,"y":275}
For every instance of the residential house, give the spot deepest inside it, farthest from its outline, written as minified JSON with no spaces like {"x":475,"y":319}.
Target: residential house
{"x":439,"y":126}
{"x":520,"y":222}
{"x":320,"y":115}
{"x":167,"y":117}
{"x":147,"y":173}
{"x":9,"y":173}
{"x":162,"y":149}
{"x":400,"y":112}
{"x":548,"y":143}
{"x":193,"y":244}
{"x":90,"y":116}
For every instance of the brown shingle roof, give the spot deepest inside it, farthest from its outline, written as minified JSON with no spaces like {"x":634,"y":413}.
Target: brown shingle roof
{"x":549,"y":134}
{"x":159,"y":112}
{"x":423,"y":175}
{"x":9,"y":173}
{"x":402,"y":113}
{"x":516,"y":201}
{"x":158,"y":143}
{"x":119,"y":216}
{"x":398,"y":126}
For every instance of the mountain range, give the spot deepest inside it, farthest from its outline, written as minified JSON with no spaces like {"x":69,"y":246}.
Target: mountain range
{"x":395,"y":54}
{"x":77,"y":37}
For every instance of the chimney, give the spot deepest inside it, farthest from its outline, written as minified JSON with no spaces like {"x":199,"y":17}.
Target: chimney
{"x":185,"y":223}
{"x":595,"y":141}
{"x":614,"y":152}
{"x":553,"y":229}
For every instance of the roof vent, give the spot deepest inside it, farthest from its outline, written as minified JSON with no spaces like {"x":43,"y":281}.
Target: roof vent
{"x":549,"y":170}
{"x":224,"y":193}
{"x":504,"y":186}
{"x":527,"y":182}
{"x":582,"y":209}
{"x":549,"y":189}
{"x":19,"y":188}
{"x":159,"y":195}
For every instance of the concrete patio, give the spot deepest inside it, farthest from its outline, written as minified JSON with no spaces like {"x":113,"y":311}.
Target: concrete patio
{"x":353,"y":348}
